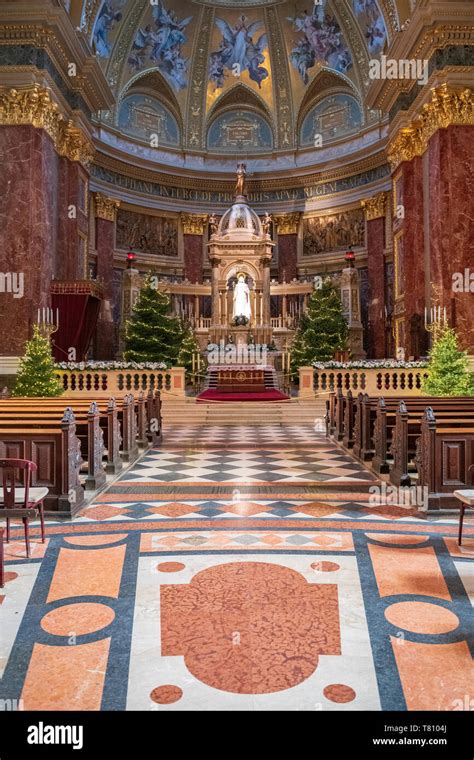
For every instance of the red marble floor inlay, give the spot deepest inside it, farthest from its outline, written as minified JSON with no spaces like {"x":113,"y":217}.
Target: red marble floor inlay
{"x":339,"y":693}
{"x":170,"y":567}
{"x":77,"y":619}
{"x":422,"y":617}
{"x":325,"y":567}
{"x":250,"y":627}
{"x":166,"y":695}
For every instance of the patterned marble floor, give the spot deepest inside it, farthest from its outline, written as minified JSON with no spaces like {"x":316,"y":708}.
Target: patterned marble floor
{"x":240,"y":570}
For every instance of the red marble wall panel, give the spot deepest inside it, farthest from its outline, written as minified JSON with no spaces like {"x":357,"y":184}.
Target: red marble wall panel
{"x":376,"y":274}
{"x":71,"y":264}
{"x":106,"y":329}
{"x":451,"y":213}
{"x":413,"y":247}
{"x":28,"y":234}
{"x":287,"y":257}
{"x":193,"y":258}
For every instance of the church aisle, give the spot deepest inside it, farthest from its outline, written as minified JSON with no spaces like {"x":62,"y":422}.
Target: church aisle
{"x":240,"y":569}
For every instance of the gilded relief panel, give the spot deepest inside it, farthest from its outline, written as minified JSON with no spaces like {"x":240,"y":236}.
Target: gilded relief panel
{"x":323,"y":234}
{"x":156,"y":235}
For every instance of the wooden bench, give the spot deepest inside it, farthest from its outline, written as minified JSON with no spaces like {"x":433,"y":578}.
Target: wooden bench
{"x":444,"y":460}
{"x":56,"y":450}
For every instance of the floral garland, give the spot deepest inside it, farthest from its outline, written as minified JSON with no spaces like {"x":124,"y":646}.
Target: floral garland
{"x":98,"y":365}
{"x":371,"y":364}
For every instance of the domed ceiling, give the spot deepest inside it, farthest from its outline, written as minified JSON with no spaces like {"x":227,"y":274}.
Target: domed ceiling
{"x":239,"y":78}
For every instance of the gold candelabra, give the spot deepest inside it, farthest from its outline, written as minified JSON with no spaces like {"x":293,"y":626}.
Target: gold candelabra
{"x":436,"y":320}
{"x":48,"y":322}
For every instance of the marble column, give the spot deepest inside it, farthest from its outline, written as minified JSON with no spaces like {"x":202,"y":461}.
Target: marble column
{"x":287,"y":226}
{"x":73,"y":221}
{"x":106,"y":335}
{"x":411,"y":267}
{"x":27,"y":231}
{"x":193,"y":230}
{"x":451,"y":227}
{"x":215,"y":291}
{"x":266,"y":292}
{"x":375,"y":217}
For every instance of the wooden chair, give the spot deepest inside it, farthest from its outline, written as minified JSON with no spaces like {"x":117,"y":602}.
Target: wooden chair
{"x":2,"y":566}
{"x":466,"y":497}
{"x":22,"y":502}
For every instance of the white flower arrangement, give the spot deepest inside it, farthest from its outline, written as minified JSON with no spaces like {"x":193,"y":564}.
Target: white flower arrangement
{"x":370,"y":364}
{"x":96,"y":366}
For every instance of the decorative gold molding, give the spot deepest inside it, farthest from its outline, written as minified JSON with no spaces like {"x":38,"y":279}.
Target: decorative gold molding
{"x":374,"y":207}
{"x":448,"y":107}
{"x":193,"y":224}
{"x":105,"y":207}
{"x":34,"y":106}
{"x":288,"y":224}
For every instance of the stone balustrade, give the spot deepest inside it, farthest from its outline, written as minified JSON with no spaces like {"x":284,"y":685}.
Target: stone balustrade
{"x":375,"y":381}
{"x":117,"y":382}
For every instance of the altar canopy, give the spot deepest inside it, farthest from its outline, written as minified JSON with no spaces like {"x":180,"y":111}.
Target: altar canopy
{"x":240,"y":251}
{"x":78,"y":306}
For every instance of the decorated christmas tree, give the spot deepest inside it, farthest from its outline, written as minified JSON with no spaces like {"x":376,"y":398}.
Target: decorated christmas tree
{"x":322,"y":330}
{"x":36,"y":375}
{"x":448,"y":368}
{"x":189,"y":347}
{"x":152,"y":333}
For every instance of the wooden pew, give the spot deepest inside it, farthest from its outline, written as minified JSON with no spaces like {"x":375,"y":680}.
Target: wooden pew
{"x":56,"y":450}
{"x":88,"y":430}
{"x":444,"y":460}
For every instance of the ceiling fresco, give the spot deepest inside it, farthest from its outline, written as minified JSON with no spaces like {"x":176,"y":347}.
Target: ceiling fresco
{"x":275,"y":49}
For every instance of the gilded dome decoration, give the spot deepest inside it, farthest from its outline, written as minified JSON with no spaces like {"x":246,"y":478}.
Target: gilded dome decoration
{"x":240,"y":72}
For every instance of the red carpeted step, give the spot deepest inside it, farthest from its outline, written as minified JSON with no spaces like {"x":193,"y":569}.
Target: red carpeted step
{"x":213,"y":395}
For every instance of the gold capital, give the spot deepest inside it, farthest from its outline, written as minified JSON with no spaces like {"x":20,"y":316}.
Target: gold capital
{"x":447,"y":107}
{"x":193,"y":224}
{"x":375,"y":207}
{"x":288,"y":224}
{"x":34,"y":106}
{"x":105,"y":207}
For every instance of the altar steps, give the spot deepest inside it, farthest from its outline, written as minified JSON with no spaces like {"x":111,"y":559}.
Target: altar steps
{"x":294,"y":412}
{"x":270,"y":378}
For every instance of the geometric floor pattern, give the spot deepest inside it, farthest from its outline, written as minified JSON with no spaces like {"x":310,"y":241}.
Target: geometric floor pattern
{"x":240,"y":569}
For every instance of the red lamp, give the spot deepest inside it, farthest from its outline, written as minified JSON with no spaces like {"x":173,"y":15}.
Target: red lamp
{"x":131,"y":258}
{"x":350,"y":256}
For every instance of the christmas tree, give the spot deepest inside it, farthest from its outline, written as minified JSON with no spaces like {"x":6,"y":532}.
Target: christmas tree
{"x":322,"y":330}
{"x":152,"y":333}
{"x":37,"y":375}
{"x":189,"y":347}
{"x":448,"y":368}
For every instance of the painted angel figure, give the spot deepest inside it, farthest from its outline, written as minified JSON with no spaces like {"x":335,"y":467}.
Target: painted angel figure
{"x":108,"y":17}
{"x":239,"y":52}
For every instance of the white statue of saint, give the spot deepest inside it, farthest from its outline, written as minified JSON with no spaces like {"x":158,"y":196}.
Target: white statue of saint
{"x":242,"y":298}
